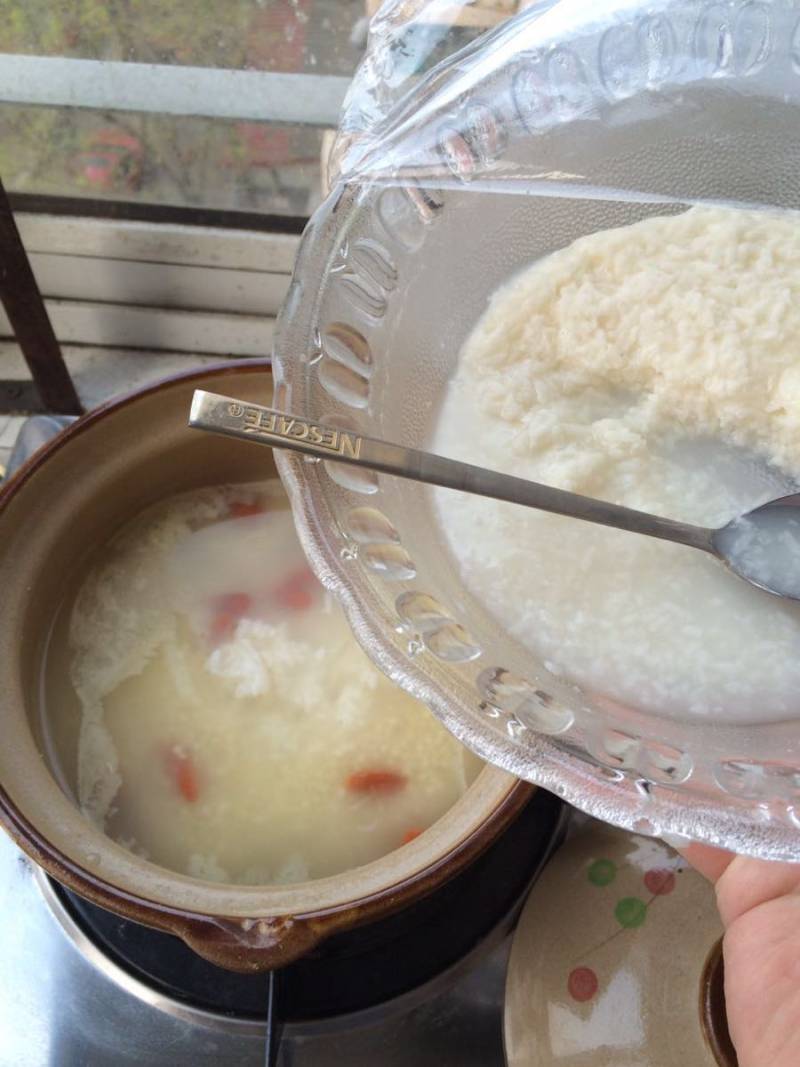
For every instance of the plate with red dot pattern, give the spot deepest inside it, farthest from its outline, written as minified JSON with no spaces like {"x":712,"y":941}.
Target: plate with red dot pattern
{"x":613,"y":959}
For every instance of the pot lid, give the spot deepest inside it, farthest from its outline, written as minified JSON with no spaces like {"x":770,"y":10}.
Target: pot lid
{"x":616,"y":961}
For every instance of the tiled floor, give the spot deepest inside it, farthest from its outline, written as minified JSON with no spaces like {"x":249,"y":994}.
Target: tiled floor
{"x":99,"y":374}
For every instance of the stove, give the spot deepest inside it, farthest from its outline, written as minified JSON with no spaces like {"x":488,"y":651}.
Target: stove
{"x":80,"y":987}
{"x":68,"y":998}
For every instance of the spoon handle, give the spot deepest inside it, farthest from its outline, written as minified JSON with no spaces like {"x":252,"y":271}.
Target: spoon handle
{"x":251,"y":422}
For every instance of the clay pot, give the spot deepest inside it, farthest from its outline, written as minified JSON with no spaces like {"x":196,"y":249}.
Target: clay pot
{"x":71,"y":496}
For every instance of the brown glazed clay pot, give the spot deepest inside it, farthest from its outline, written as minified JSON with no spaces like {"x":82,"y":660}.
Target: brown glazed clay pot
{"x":72,"y":496}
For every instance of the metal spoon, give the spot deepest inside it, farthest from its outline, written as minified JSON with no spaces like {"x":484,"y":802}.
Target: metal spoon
{"x":762,"y":546}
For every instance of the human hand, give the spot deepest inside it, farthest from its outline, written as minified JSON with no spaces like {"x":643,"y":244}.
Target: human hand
{"x":759,"y":903}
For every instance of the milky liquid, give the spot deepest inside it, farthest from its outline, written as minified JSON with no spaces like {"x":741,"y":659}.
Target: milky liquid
{"x":765,"y":547}
{"x":232,"y":729}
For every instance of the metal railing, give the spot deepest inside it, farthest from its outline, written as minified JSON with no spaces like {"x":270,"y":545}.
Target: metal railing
{"x":198,"y":92}
{"x":24,"y":306}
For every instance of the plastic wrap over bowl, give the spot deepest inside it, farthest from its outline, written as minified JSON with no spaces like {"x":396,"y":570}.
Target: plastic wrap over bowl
{"x":566,"y":120}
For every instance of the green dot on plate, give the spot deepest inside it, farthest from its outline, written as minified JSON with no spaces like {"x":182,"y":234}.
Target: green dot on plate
{"x":630,"y":912}
{"x":602,"y":872}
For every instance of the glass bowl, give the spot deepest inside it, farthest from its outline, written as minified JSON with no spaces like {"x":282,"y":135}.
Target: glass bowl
{"x":564,"y":122}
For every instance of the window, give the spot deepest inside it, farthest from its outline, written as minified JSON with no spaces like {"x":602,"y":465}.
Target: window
{"x":123,"y":120}
{"x":217,"y":104}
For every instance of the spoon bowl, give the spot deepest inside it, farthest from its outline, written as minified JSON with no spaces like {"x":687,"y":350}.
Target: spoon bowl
{"x":763,"y":546}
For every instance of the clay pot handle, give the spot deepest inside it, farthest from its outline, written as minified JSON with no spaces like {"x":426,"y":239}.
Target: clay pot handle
{"x":248,"y":946}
